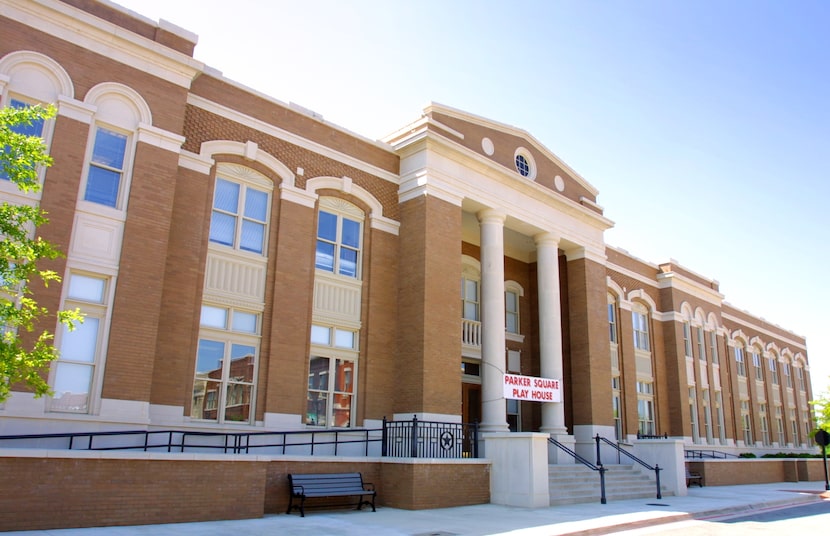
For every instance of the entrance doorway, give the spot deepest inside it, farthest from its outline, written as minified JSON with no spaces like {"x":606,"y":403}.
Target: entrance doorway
{"x":470,"y":402}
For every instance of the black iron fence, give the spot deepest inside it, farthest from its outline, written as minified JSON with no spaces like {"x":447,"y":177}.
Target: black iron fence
{"x":425,"y":439}
{"x":417,"y":439}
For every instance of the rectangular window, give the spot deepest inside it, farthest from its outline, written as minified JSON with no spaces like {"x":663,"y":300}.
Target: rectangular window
{"x":713,"y":346}
{"x":779,"y":422}
{"x":794,"y":427}
{"x":687,"y":341}
{"x":740,"y":366}
{"x":330,"y":391}
{"x":470,"y":299}
{"x":720,"y":422}
{"x":788,"y":379}
{"x":513,"y":415}
{"x":338,"y":244}
{"x":511,"y":317}
{"x":773,"y":371}
{"x":701,"y":345}
{"x":756,"y":364}
{"x":746,"y":424}
{"x":640,"y":321}
{"x":693,"y":415}
{"x":645,"y":408}
{"x":106,"y":167}
{"x":799,"y":374}
{"x":765,"y":435}
{"x":226,"y":364}
{"x":617,"y":407}
{"x":34,"y":129}
{"x":80,"y":349}
{"x":239,"y":218}
{"x":612,"y":322}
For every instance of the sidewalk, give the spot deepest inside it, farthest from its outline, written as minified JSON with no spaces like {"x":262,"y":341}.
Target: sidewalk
{"x":490,"y":519}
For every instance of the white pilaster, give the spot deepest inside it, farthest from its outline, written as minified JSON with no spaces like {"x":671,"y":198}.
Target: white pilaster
{"x":493,"y":404}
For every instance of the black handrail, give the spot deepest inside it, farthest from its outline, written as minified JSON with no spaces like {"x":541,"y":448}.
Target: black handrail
{"x":589,"y":465}
{"x":621,"y":450}
{"x":422,"y":439}
{"x":714,"y":454}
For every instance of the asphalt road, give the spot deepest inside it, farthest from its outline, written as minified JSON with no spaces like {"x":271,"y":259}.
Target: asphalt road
{"x":807,"y":520}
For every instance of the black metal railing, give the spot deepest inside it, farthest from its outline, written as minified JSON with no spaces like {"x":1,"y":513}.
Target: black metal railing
{"x":652,"y":436}
{"x":712,"y":454}
{"x":418,"y":439}
{"x":598,"y":467}
{"x":427,"y":439}
{"x":621,"y":451}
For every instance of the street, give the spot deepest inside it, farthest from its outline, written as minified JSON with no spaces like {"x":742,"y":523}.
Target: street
{"x":804,"y":519}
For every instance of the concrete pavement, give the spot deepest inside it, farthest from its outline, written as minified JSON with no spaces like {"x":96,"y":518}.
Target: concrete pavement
{"x":489,"y":519}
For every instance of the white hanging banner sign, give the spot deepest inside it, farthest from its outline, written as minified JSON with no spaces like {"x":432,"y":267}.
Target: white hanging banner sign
{"x":532,"y":389}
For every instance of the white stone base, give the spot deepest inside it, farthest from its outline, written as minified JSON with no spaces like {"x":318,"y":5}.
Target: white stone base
{"x":519,"y":470}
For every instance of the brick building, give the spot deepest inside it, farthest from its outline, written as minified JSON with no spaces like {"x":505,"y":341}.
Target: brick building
{"x":245,"y":265}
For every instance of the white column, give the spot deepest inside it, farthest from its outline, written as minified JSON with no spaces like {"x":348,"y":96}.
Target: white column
{"x":493,"y":404}
{"x":550,"y":327}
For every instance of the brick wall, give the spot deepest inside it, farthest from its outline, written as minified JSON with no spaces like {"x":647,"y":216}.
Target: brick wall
{"x":757,"y":471}
{"x":106,"y":489}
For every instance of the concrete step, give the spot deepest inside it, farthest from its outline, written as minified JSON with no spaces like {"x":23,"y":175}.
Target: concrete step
{"x":574,"y":484}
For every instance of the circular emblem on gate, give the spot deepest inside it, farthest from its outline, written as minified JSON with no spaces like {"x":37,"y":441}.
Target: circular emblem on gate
{"x":446,"y":440}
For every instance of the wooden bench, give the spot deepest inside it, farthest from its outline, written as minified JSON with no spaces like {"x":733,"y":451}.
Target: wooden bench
{"x":329,"y":485}
{"x":693,"y":477}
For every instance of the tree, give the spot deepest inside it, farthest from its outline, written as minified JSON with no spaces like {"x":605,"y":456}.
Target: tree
{"x":24,"y":358}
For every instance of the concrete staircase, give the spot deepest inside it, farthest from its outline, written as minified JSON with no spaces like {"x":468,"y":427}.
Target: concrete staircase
{"x":572,"y":484}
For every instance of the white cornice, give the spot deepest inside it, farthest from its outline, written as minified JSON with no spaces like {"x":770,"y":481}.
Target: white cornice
{"x":756,"y":327}
{"x":488,"y":123}
{"x":195,"y":162}
{"x":97,"y":35}
{"x":271,"y":130}
{"x":162,"y":139}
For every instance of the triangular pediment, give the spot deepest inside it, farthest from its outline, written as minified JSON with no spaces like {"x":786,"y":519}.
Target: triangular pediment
{"x":512,"y":148}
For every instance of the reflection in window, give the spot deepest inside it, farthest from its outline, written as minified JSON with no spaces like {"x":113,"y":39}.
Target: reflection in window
{"x":226,"y":361}
{"x":330,"y":392}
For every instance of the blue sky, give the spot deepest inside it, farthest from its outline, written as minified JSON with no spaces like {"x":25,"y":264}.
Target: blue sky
{"x":704,"y":124}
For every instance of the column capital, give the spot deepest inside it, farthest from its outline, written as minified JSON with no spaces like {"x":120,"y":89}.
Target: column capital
{"x":491,"y":215}
{"x":547,"y":239}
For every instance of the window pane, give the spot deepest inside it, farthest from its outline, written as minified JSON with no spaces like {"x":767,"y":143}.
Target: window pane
{"x":316,"y":408}
{"x":344,"y":376}
{"x":253,"y":234}
{"x":348,"y":262}
{"x":343,"y":339}
{"x":320,"y":335}
{"x":351,"y":233}
{"x":226,"y":197}
{"x":243,"y":359}
{"x":102,"y":186}
{"x":510,"y":301}
{"x":72,"y":384}
{"x":325,"y":256}
{"x":318,"y":373}
{"x":214,"y":317}
{"x":209,"y":359}
{"x":342,"y":410}
{"x":238,"y":403}
{"x":109,"y":148}
{"x":256,"y":204}
{"x":205,"y":402}
{"x":512,"y":323}
{"x":470,"y":311}
{"x":222,"y":228}
{"x":471,"y":290}
{"x":327,"y":226}
{"x":246,"y":322}
{"x":86,"y":288}
{"x":79,"y":344}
